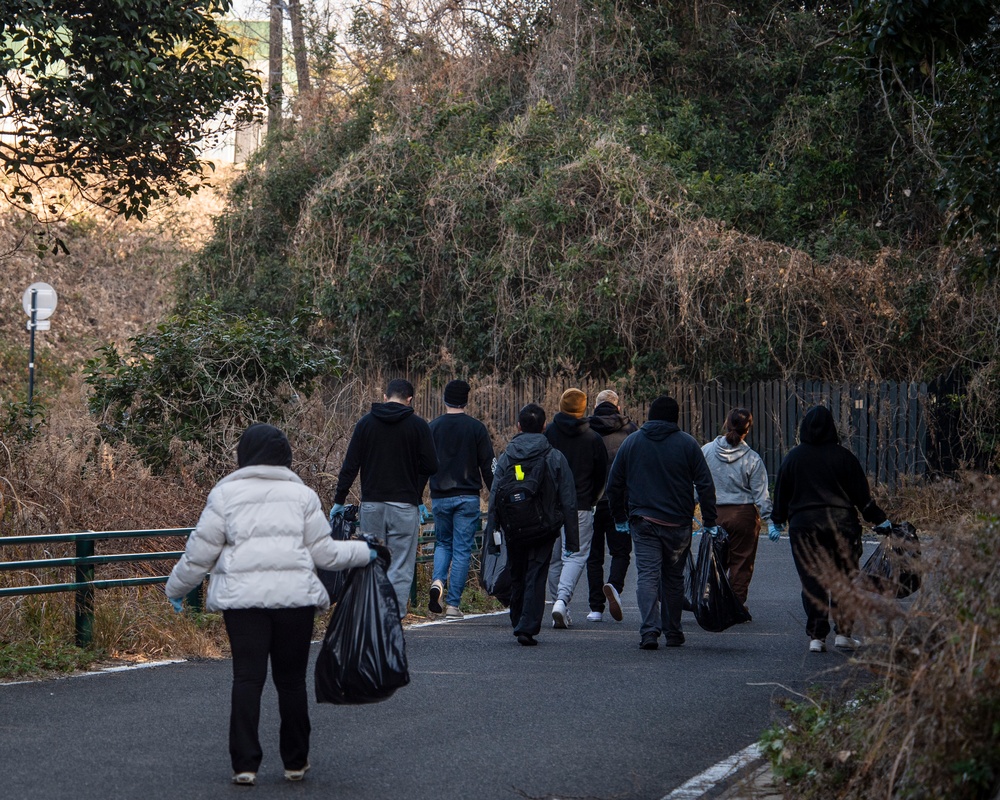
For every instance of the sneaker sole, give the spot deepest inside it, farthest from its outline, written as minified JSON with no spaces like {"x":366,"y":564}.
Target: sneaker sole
{"x":559,"y":620}
{"x":614,"y":607}
{"x":434,"y":603}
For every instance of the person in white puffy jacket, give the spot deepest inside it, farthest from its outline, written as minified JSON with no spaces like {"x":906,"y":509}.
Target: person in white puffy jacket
{"x":261,"y":536}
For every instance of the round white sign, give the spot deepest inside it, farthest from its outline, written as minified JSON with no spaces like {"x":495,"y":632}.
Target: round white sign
{"x":45,"y":300}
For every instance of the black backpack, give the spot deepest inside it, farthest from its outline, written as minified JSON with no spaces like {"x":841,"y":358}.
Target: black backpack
{"x":527,"y":504}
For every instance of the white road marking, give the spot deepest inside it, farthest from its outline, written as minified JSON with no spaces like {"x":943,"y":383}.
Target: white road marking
{"x":699,"y":784}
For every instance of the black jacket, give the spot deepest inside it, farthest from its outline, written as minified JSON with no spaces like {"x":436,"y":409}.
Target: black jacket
{"x":393,"y":449}
{"x":612,"y":427}
{"x":530,"y":445}
{"x":465,"y":456}
{"x":656,"y":474}
{"x":820,"y":483}
{"x":586,"y":454}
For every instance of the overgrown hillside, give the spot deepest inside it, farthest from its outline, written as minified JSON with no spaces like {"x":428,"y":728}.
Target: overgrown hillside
{"x":633,"y":189}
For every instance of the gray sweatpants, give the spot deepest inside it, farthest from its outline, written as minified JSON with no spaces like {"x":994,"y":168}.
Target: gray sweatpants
{"x":565,"y":571}
{"x":398,"y":525}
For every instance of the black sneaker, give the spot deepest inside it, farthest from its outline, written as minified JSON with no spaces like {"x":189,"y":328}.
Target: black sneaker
{"x":649,"y":642}
{"x":434,"y":604}
{"x":526,"y":640}
{"x":675,"y":641}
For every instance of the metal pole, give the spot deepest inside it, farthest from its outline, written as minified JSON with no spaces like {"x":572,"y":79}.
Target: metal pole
{"x":85,"y":596}
{"x":31,"y":357}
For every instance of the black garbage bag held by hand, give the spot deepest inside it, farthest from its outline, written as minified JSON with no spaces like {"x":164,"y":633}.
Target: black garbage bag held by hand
{"x":716,"y":605}
{"x":363,"y":657}
{"x":892,"y":569}
{"x":689,"y":581}
{"x":342,"y":528}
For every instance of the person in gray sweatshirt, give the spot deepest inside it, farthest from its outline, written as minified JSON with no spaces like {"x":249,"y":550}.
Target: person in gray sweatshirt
{"x":742,"y":498}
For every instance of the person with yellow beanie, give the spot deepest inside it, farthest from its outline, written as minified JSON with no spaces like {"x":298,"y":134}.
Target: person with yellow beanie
{"x":570,"y":433}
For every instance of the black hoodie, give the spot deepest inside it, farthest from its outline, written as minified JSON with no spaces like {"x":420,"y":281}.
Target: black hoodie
{"x":393,"y":449}
{"x":820,"y":483}
{"x":586,"y":454}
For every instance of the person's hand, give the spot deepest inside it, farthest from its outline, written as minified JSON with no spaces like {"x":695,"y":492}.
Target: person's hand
{"x":379,"y":552}
{"x":774,"y":531}
{"x":567,"y":552}
{"x":621,"y":527}
{"x":712,"y":530}
{"x":884,"y":526}
{"x":425,"y":515}
{"x":337,"y":510}
{"x":177,"y":603}
{"x":372,"y":554}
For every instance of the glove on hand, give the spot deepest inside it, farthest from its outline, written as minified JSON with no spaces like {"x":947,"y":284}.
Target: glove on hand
{"x":621,"y":527}
{"x":712,"y":531}
{"x":883,"y":526}
{"x":774,"y":531}
{"x":425,"y":515}
{"x":567,"y":552}
{"x":378,"y":551}
{"x":337,"y":510}
{"x":177,"y":603}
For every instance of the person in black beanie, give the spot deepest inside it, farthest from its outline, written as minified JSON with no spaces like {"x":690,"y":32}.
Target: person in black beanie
{"x":465,"y":465}
{"x":651,"y":490}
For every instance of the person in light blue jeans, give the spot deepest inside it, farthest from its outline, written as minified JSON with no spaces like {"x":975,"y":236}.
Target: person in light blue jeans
{"x":465,"y":465}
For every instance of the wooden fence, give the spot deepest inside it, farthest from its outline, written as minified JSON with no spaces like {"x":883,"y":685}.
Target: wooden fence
{"x":884,"y":424}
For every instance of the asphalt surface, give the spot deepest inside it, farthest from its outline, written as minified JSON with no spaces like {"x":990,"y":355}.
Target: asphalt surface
{"x":586,"y":714}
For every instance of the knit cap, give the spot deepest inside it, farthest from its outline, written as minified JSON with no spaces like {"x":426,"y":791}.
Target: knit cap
{"x":573,"y":402}
{"x":456,"y":394}
{"x":664,"y":408}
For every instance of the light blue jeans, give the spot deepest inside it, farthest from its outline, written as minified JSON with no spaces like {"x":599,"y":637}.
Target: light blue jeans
{"x":455,"y":523}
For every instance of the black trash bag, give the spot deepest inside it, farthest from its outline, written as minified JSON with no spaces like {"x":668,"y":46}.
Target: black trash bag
{"x":363,"y":657}
{"x":893,"y":569}
{"x":716,"y":606}
{"x":689,"y":601}
{"x":342,"y":528}
{"x":494,"y":571}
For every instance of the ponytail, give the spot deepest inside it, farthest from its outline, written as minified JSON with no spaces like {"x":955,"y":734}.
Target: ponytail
{"x":738,"y":425}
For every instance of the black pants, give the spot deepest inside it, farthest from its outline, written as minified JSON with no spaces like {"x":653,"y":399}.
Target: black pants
{"x":529,"y":572}
{"x":620,"y":547}
{"x":660,"y":554}
{"x":820,"y":555}
{"x":255,"y":634}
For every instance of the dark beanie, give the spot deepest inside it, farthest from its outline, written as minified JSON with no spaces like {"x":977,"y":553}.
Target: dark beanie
{"x":263,"y":444}
{"x":456,"y":394}
{"x":664,"y":408}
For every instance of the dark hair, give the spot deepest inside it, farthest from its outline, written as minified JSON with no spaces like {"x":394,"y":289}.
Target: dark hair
{"x":738,"y":424}
{"x":398,"y":387}
{"x":531,"y":418}
{"x":664,"y":408}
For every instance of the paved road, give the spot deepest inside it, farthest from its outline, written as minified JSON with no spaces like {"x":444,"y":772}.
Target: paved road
{"x":586,"y":714}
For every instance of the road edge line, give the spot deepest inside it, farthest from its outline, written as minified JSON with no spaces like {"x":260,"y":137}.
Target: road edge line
{"x":722,"y":774}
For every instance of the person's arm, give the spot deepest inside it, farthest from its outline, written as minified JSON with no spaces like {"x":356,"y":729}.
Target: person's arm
{"x":202,"y":550}
{"x":705,"y":485}
{"x":491,"y":512}
{"x":567,"y":497}
{"x":600,"y":469}
{"x":617,"y":483}
{"x":784,"y":488}
{"x":860,"y":492}
{"x":352,"y":463}
{"x":484,"y":456}
{"x":325,"y":551}
{"x":428,"y":464}
{"x":757,"y":480}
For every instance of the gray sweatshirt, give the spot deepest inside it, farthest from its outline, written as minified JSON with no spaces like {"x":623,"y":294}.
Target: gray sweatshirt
{"x":739,"y":474}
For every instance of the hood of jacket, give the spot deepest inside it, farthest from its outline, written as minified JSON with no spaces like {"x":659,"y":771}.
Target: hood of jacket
{"x":570,"y":426}
{"x":727,"y":453}
{"x":391,"y":412}
{"x":658,"y":429}
{"x":528,"y":445}
{"x":818,"y":427}
{"x":607,"y":420}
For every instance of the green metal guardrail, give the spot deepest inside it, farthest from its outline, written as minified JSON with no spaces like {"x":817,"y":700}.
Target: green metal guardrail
{"x":84,"y":563}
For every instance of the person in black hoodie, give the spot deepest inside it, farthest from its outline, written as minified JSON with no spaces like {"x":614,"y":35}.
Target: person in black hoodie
{"x":529,"y":561}
{"x":612,"y":426}
{"x":570,"y":434}
{"x":820,"y":486}
{"x":393,"y":449}
{"x":651,"y":490}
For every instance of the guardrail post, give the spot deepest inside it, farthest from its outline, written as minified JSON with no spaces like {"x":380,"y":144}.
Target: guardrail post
{"x":195,"y":598}
{"x":84,"y":595}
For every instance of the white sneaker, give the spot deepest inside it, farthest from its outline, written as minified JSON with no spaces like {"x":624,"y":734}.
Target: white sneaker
{"x":560,"y":614}
{"x":595,"y":616}
{"x":453,"y":612}
{"x":245,"y":778}
{"x":817,"y":646}
{"x":614,"y":602}
{"x":846,"y":642}
{"x":296,"y":774}
{"x":435,"y":594}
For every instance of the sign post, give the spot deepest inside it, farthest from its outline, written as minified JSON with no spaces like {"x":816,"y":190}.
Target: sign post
{"x":39,"y":302}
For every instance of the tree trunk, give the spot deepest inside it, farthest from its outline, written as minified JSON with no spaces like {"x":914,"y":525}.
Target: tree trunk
{"x":299,"y":47}
{"x":274,"y":54}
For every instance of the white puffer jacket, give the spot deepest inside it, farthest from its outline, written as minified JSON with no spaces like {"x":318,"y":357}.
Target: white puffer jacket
{"x":262,"y":535}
